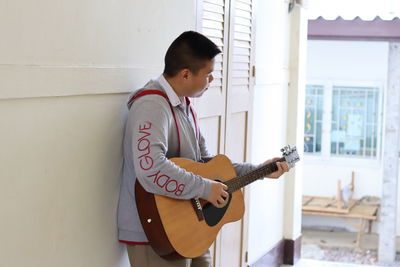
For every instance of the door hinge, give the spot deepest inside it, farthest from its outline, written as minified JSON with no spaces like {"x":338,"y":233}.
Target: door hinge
{"x":253,"y":71}
{"x":246,"y":256}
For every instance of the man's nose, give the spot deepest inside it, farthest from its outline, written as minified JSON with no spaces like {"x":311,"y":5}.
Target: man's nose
{"x":211,"y":78}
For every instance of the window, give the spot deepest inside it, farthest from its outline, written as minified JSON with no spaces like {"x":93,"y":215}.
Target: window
{"x":313,"y":119}
{"x":342,"y":120}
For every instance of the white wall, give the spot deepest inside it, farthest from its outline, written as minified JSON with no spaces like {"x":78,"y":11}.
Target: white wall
{"x":266,"y":219}
{"x":65,"y":70}
{"x":347,"y":60}
{"x":343,"y":61}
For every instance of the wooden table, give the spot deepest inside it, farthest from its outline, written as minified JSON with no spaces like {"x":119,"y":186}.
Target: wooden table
{"x":365,"y":213}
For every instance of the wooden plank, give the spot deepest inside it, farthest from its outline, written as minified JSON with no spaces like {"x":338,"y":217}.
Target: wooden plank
{"x":306,"y":200}
{"x":358,"y":211}
{"x":327,"y":204}
{"x":370,"y":210}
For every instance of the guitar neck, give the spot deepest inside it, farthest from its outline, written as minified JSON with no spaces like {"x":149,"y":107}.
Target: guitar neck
{"x":238,"y":182}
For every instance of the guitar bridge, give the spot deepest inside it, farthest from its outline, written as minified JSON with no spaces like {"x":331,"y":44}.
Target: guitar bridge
{"x":197,"y":208}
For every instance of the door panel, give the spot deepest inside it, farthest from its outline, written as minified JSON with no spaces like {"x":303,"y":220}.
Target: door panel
{"x":230,"y":238}
{"x":211,"y":128}
{"x":236,"y":137}
{"x":238,"y":114}
{"x":225,"y":109}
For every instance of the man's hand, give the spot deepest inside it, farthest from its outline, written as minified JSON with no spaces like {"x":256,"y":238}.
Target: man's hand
{"x":218,"y":193}
{"x":282,"y":168}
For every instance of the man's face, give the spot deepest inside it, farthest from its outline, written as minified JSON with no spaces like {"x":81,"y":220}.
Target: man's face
{"x":198,"y":83}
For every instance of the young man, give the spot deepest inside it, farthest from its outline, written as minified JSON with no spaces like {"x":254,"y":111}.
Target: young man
{"x":162,"y":124}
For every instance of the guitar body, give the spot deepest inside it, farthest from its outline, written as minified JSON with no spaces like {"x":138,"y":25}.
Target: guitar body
{"x":172,"y":225}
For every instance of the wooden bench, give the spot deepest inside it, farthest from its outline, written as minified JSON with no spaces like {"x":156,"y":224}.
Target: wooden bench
{"x":365,"y":213}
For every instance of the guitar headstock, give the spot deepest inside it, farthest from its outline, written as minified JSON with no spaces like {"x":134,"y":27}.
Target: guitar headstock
{"x":290,"y":155}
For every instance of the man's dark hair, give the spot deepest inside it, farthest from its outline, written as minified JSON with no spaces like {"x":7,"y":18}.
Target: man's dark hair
{"x":190,"y":50}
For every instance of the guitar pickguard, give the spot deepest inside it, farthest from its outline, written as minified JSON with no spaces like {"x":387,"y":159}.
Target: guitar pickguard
{"x":212,"y":214}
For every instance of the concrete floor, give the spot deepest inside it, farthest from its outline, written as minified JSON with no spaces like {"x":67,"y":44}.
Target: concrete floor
{"x":336,"y":249}
{"x":341,"y":239}
{"x":317,"y":263}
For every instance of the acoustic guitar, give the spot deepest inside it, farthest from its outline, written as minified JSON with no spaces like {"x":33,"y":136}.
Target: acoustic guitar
{"x":179,"y":228}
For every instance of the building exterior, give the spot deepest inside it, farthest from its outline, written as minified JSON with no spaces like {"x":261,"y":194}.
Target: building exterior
{"x":351,"y":77}
{"x":66,"y":70}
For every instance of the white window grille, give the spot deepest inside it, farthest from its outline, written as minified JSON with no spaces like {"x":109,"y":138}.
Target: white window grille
{"x":342,"y":120}
{"x":313,"y":119}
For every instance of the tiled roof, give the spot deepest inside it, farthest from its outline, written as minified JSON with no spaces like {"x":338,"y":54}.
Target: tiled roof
{"x":356,"y":18}
{"x":357,"y":28}
{"x":364,"y":18}
{"x":366,"y":10}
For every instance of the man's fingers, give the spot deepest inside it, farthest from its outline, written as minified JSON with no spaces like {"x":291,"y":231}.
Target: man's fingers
{"x":221,"y":200}
{"x":218,"y":193}
{"x":279,"y":164}
{"x":286,"y":167}
{"x":283,"y":167}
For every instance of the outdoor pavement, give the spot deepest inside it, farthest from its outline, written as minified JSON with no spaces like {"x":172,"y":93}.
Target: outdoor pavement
{"x":337,"y":249}
{"x":317,"y":263}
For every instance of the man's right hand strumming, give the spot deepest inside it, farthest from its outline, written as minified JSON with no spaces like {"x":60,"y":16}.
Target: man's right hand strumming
{"x":219,"y":194}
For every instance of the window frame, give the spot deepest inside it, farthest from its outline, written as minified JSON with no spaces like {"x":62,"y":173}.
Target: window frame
{"x":325,"y":155}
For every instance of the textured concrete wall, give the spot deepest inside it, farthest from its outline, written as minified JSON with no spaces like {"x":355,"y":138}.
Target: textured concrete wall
{"x":387,"y":232}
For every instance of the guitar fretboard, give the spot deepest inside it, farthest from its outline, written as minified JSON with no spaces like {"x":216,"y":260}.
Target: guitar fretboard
{"x":238,"y":182}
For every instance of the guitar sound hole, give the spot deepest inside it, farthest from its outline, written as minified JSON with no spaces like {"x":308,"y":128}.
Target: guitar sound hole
{"x":212,"y":214}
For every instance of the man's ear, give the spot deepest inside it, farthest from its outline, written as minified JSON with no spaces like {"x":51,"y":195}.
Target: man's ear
{"x":185,"y":74}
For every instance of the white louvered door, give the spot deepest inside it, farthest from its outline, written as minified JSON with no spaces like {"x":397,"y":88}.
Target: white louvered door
{"x":225,"y":109}
{"x":211,"y":106}
{"x":238,"y":117}
{"x":213,"y":16}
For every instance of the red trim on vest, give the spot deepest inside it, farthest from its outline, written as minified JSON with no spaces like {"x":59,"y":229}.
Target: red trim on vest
{"x":156,"y":92}
{"x":194,"y":117}
{"x":195,"y":121}
{"x":134,"y":243}
{"x":148,"y":92}
{"x":177,"y":127}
